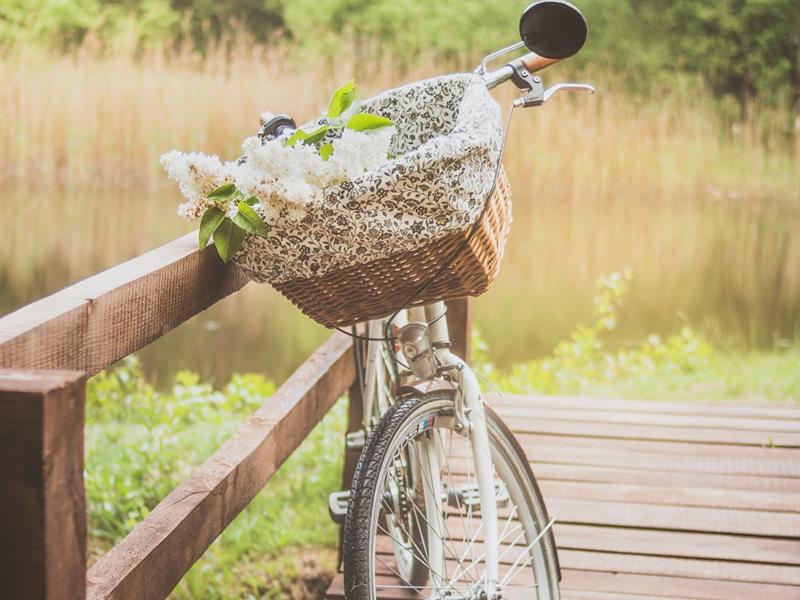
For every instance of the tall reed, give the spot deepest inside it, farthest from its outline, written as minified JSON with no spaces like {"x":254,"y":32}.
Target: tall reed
{"x":103,"y":119}
{"x":702,"y":208}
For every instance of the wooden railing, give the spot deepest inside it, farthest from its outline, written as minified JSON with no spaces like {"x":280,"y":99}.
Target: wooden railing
{"x":50,"y":347}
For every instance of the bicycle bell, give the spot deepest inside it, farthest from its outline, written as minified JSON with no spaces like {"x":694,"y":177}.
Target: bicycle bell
{"x":274,"y":126}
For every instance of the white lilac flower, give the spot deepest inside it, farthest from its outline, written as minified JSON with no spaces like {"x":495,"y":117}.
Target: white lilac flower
{"x":357,"y":152}
{"x":193,"y":210}
{"x":281,"y":177}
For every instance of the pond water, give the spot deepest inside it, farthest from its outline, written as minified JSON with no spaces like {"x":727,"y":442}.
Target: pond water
{"x":728,"y":266}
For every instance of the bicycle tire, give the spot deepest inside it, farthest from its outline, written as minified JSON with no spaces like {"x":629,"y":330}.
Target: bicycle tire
{"x":364,"y":511}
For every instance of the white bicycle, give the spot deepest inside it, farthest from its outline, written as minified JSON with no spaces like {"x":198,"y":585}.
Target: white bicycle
{"x":443,"y":502}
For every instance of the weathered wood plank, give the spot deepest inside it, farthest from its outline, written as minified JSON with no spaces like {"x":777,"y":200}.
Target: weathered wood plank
{"x":657,"y":542}
{"x":653,"y":476}
{"x":42,"y":501}
{"x":720,"y":409}
{"x":459,"y":324}
{"x":336,"y":592}
{"x":150,"y":561}
{"x":581,"y":595}
{"x":101,"y":319}
{"x":722,"y":574}
{"x":682,"y":518}
{"x":720,"y":437}
{"x":615,"y":562}
{"x":679,"y":567}
{"x":621,"y":458}
{"x":681,"y":587}
{"x":601,"y":416}
{"x":673,"y":496}
{"x":667,"y":448}
{"x":559,"y":481}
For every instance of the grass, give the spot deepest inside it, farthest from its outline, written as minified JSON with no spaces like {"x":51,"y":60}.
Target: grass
{"x":680,"y":366}
{"x":283,"y":544}
{"x":142,"y":442}
{"x":93,"y":118}
{"x":745,"y":377}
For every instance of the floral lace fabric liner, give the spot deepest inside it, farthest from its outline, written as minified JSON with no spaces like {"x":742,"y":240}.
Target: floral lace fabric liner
{"x":447,"y":143}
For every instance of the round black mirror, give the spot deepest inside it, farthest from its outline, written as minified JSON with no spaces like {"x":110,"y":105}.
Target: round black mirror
{"x":553,"y":28}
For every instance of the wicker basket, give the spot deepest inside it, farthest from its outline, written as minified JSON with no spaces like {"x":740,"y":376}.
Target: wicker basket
{"x":376,"y":289}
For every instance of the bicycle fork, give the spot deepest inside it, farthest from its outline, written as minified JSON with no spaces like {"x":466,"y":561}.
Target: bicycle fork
{"x":470,"y":420}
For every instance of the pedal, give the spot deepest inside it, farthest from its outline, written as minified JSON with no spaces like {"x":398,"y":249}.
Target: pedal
{"x":467,"y":496}
{"x":337,"y":506}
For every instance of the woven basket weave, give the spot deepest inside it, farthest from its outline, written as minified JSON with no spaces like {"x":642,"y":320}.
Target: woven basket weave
{"x":376,"y":289}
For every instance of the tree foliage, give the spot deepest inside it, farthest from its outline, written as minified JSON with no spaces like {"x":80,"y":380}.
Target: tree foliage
{"x":741,"y":47}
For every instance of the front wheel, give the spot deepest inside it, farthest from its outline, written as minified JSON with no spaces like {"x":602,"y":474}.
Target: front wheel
{"x":415,"y":500}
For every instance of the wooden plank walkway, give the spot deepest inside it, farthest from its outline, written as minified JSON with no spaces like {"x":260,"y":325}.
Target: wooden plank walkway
{"x":658,"y":500}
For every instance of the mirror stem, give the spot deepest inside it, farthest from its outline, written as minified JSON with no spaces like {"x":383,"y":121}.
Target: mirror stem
{"x":481,"y":70}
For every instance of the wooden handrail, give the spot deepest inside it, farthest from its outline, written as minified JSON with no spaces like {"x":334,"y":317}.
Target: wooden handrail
{"x":90,"y":325}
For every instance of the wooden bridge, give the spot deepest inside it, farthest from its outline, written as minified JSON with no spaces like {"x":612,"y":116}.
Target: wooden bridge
{"x":658,"y":500}
{"x":653,"y":500}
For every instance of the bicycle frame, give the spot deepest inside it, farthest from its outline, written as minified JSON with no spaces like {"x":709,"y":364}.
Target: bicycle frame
{"x":470,"y":420}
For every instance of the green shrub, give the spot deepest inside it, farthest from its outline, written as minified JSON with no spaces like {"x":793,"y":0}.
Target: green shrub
{"x":583,"y":360}
{"x":141,"y":442}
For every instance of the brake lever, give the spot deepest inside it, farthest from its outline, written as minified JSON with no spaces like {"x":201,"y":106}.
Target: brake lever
{"x":538,"y":95}
{"x":567,"y":87}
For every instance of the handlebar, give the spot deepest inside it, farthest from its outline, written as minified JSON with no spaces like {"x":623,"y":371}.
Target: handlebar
{"x":531,"y":61}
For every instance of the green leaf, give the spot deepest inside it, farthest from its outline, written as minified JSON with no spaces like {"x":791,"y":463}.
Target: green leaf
{"x":252,"y":200}
{"x":223,"y":191}
{"x":307,"y":138}
{"x":227,"y":238}
{"x":366,"y":121}
{"x":249,"y":220}
{"x":326,"y":150}
{"x":316,"y":135}
{"x":209,"y":223}
{"x":298,"y":135}
{"x":342,"y":98}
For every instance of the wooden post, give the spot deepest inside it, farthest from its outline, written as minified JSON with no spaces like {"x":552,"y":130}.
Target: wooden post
{"x":355,"y":411}
{"x":459,"y":323}
{"x":42,"y":500}
{"x":354,"y":423}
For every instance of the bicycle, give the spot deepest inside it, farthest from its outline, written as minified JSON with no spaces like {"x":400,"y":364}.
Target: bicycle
{"x":443,"y":502}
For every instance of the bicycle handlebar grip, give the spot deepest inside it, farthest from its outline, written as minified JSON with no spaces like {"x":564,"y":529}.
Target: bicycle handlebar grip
{"x":534,"y":62}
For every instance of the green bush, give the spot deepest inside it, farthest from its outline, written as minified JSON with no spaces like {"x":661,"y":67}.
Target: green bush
{"x":582,"y":360}
{"x":142,"y":442}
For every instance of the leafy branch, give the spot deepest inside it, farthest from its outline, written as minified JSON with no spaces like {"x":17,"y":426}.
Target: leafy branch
{"x":343,"y":113}
{"x":230,"y":219}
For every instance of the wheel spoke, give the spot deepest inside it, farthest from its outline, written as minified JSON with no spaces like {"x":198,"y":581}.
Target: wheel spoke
{"x":512,"y":572}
